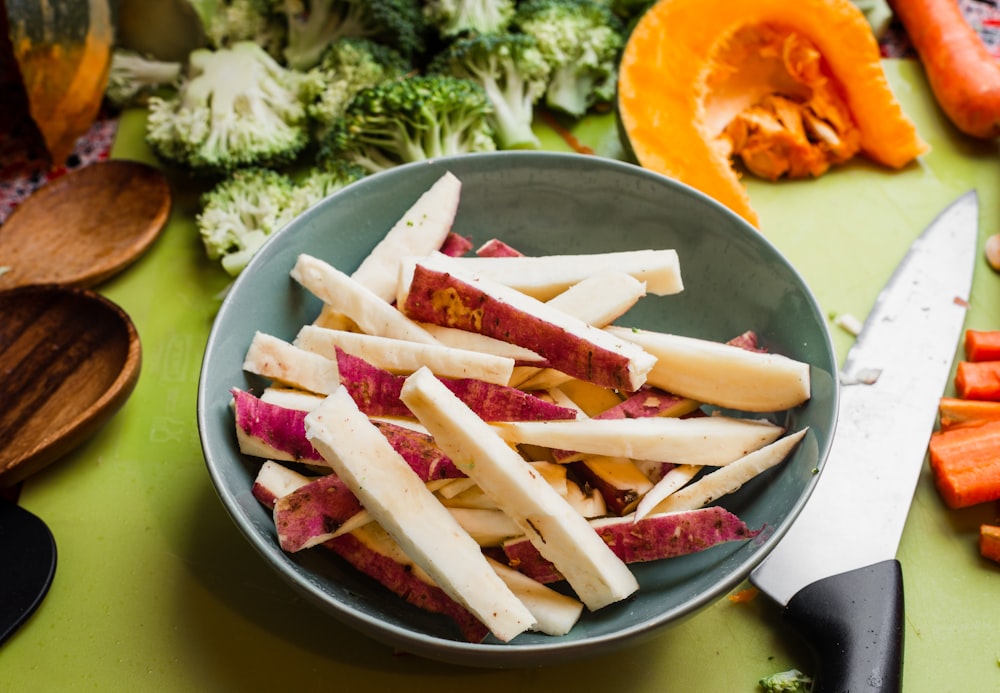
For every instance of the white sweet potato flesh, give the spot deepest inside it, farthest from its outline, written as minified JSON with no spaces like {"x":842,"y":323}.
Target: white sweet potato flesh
{"x":730,"y":478}
{"x":555,"y":613}
{"x":567,"y":343}
{"x":703,"y":440}
{"x":725,"y":375}
{"x":421,"y":230}
{"x":545,"y":276}
{"x":402,"y":358}
{"x":274,"y":358}
{"x":401,"y":503}
{"x":656,"y":537}
{"x":371,"y":551}
{"x":560,"y":533}
{"x":472,"y":341}
{"x":372,"y":314}
{"x":670,"y":483}
{"x":274,"y":481}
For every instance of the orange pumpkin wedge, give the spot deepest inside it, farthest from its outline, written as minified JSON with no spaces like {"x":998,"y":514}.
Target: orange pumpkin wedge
{"x":790,"y":87}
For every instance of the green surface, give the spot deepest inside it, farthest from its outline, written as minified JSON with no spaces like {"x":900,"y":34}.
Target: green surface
{"x":156,"y":590}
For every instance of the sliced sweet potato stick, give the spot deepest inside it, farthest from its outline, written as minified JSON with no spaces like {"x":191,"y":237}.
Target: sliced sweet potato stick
{"x":545,"y":276}
{"x":372,"y":552}
{"x":965,"y":464}
{"x":564,"y":537}
{"x":705,"y":440}
{"x":274,"y":358}
{"x":402,"y":358}
{"x":347,"y":297}
{"x":655,"y":537}
{"x":722,"y":374}
{"x":486,"y":307}
{"x":400,"y":502}
{"x":264,"y":429}
{"x":722,"y":481}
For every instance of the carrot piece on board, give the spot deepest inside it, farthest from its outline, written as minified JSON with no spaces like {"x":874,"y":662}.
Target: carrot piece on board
{"x":953,"y":411}
{"x":989,"y":542}
{"x":963,"y":75}
{"x":978,"y":380}
{"x":965,"y":462}
{"x":982,"y":345}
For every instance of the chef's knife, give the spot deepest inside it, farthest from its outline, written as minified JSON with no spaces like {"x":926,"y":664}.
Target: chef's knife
{"x":27,"y":565}
{"x":835,"y":570}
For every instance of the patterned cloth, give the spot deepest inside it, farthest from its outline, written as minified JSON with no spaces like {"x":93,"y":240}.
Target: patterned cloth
{"x":24,"y":166}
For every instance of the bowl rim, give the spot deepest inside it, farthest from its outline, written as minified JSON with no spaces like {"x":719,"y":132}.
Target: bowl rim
{"x":496,"y":654}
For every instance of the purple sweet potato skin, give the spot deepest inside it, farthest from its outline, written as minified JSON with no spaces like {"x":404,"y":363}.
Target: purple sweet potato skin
{"x":455,"y":245}
{"x":396,"y":577}
{"x":318,"y":508}
{"x":280,"y":428}
{"x":652,"y":538}
{"x":443,"y":299}
{"x":376,"y":392}
{"x":497,"y":248}
{"x":420,"y":452}
{"x":400,"y":580}
{"x":418,"y":449}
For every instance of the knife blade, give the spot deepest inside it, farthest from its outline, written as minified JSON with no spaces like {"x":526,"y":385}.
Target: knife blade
{"x":835,"y":571}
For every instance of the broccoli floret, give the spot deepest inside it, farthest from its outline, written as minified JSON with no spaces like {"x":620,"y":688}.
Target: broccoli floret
{"x":791,"y":681}
{"x":581,"y":39}
{"x":315,"y":24}
{"x":348,"y":66}
{"x":226,"y":22}
{"x":320,"y":182}
{"x":454,"y":17}
{"x":242,"y":210}
{"x":238,"y":107}
{"x":411,"y":119}
{"x":514,"y":73}
{"x":133,"y":77}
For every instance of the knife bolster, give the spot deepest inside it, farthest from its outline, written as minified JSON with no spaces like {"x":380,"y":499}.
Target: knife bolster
{"x":853,"y":621}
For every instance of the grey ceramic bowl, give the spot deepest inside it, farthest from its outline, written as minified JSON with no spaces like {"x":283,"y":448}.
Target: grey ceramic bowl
{"x":541,"y":203}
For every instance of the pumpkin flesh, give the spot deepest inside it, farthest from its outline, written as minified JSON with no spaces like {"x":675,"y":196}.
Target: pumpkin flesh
{"x":790,"y":88}
{"x":780,"y":111}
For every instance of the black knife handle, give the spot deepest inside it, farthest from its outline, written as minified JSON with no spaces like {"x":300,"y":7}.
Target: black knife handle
{"x":854,"y":623}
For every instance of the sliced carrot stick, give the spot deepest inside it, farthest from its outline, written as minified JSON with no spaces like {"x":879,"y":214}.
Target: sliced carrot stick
{"x":982,"y":345}
{"x":953,"y":411}
{"x":965,"y":462}
{"x":978,"y":380}
{"x":989,"y":542}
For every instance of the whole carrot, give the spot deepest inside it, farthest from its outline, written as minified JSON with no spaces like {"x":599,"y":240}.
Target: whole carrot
{"x":963,"y":75}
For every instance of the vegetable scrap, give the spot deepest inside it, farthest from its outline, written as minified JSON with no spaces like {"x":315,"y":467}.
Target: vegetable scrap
{"x":443,"y":455}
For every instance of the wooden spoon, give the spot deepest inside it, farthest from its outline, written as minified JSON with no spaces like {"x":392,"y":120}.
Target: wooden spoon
{"x":69,"y":359}
{"x":83,"y":227}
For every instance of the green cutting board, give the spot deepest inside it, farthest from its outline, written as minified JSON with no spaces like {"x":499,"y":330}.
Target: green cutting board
{"x":157,"y":591}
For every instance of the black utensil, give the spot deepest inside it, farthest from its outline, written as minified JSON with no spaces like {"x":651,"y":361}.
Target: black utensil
{"x":27,"y":565}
